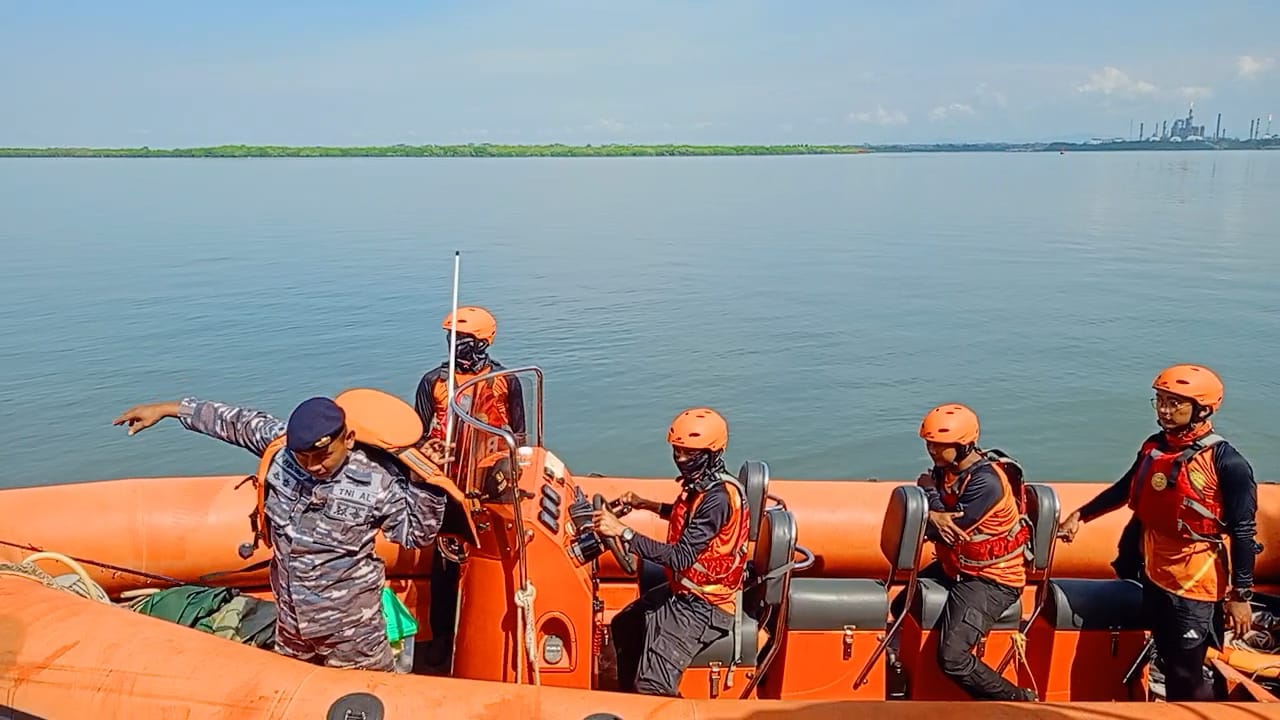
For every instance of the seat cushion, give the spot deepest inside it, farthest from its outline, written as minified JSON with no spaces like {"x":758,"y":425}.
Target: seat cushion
{"x":931,"y":595}
{"x":1080,"y":604}
{"x":833,"y":603}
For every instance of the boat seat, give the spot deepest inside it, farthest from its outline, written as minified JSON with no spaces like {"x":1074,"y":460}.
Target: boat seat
{"x":754,"y":476}
{"x":1043,"y":510}
{"x":835,"y":627}
{"x":767,"y":585}
{"x":1086,"y":638}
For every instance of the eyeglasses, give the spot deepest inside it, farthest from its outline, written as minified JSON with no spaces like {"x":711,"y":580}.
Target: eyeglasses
{"x":1169,"y":403}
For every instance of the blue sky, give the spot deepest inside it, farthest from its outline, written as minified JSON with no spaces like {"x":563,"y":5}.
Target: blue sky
{"x":167,"y":74}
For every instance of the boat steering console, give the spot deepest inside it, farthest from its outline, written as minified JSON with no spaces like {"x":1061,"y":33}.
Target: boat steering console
{"x":586,"y":544}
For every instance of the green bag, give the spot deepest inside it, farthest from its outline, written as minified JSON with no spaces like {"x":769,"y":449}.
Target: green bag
{"x":400,"y":624}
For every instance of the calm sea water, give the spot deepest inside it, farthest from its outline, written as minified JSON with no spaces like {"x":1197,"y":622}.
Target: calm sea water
{"x":822,"y":303}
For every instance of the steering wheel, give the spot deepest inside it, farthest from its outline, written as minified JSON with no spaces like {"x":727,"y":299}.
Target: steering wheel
{"x":623,"y":556}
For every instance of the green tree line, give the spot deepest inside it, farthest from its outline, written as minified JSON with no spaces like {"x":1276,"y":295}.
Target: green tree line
{"x":471,"y":150}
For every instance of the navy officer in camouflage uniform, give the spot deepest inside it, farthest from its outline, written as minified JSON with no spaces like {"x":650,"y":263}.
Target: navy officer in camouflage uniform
{"x":326,"y":500}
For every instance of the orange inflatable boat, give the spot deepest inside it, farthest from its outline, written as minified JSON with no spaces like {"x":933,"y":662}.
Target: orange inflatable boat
{"x":536,"y":593}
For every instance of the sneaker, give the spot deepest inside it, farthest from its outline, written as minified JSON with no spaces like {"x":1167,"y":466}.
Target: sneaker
{"x":1027,"y":695}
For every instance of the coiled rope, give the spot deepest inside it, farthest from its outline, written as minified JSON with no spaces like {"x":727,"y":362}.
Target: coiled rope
{"x":80,"y":584}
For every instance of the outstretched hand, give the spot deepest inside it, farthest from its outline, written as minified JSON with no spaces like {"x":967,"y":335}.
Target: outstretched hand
{"x":141,"y":417}
{"x":1068,"y":528}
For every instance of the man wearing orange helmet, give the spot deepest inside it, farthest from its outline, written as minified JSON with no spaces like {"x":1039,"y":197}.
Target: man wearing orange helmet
{"x":705,"y":556}
{"x":498,"y":402}
{"x":982,"y":543}
{"x":1189,"y":491}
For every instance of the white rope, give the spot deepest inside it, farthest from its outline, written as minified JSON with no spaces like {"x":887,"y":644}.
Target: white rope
{"x":524,"y":601}
{"x":81,"y":585}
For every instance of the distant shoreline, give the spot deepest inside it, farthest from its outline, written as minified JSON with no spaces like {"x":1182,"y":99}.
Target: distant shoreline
{"x":486,"y":150}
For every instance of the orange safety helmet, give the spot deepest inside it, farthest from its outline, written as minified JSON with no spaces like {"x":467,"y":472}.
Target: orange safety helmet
{"x":951,"y":423}
{"x":475,"y":321}
{"x":1194,"y":382}
{"x":699,"y":429}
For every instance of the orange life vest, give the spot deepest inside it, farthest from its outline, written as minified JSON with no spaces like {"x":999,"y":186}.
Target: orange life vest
{"x":487,"y":401}
{"x":380,"y":420}
{"x":1173,"y":494}
{"x":717,"y":573}
{"x":999,"y":544}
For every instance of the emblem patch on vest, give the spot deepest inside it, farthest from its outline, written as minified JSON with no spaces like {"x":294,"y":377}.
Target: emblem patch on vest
{"x":1197,"y":480}
{"x":1159,"y":482}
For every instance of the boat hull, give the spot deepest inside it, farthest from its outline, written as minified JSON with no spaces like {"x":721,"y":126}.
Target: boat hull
{"x":63,"y":656}
{"x":185,"y":528}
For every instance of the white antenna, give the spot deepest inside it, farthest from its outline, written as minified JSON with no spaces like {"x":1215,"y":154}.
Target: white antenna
{"x":453,"y":354}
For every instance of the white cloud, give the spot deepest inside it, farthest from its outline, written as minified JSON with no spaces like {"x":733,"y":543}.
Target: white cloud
{"x":996,"y":96}
{"x":1113,"y":81}
{"x":1248,"y":65}
{"x":955,"y":109}
{"x":1195,"y":92}
{"x":879,"y":116}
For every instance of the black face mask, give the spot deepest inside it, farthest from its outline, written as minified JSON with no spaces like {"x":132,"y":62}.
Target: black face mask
{"x":701,"y":470}
{"x":473,"y":353}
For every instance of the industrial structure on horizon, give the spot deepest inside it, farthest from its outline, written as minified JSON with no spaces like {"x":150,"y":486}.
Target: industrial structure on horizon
{"x":1186,"y":130}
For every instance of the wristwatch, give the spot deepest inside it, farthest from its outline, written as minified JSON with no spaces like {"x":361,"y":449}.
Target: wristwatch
{"x":1242,"y":594}
{"x":627,"y":534}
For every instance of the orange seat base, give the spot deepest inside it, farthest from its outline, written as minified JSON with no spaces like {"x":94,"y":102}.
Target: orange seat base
{"x":1083,"y":666}
{"x":822,"y":665}
{"x":919,"y":658}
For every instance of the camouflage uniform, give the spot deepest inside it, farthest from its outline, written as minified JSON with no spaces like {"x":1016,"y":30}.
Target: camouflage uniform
{"x":325,"y":575}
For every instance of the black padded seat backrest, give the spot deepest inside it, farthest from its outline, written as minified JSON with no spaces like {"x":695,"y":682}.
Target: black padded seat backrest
{"x":931,"y":595}
{"x":1087,"y":604}
{"x":834,"y":603}
{"x":902,"y":534}
{"x":754,"y":476}
{"x":1043,"y":510}
{"x":774,"y":552}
